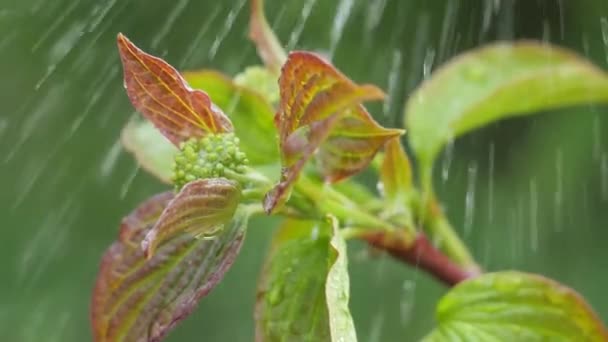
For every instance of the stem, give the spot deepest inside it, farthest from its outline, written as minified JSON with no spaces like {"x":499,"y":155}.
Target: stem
{"x":437,"y":226}
{"x":330,"y":201}
{"x":445,"y":238}
{"x":421,"y":253}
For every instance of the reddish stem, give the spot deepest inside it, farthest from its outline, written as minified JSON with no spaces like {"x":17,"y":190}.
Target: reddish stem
{"x":421,"y":253}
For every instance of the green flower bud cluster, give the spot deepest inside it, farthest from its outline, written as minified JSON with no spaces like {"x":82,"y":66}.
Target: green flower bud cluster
{"x":215,"y":155}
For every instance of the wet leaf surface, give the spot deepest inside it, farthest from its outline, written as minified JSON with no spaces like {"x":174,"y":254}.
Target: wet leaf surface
{"x":139,"y":299}
{"x":304,"y":287}
{"x":162,"y":96}
{"x":320,"y":105}
{"x":202,"y":208}
{"x":515,"y":306}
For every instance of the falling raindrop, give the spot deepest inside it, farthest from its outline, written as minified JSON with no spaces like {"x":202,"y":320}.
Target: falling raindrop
{"x":446,"y":162}
{"x":491,"y":162}
{"x":604,"y":176}
{"x":393,"y":83}
{"x":342,"y":15}
{"x":295,"y":34}
{"x":604,"y":25}
{"x":558,"y":197}
{"x":228,"y":25}
{"x":469,"y":201}
{"x":533,"y":215}
{"x":408,"y":299}
{"x":171,"y":18}
{"x":427,"y":65}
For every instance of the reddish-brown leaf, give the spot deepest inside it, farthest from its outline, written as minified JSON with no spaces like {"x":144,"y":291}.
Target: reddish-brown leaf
{"x":317,"y":102}
{"x":268,"y":46}
{"x":352,"y":144}
{"x":161,"y":94}
{"x":138,"y":299}
{"x":202,"y":208}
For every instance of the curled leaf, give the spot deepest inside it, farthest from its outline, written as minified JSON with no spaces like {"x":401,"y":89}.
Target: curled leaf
{"x":160,"y":93}
{"x":202,"y":208}
{"x":268,"y":45}
{"x":315,"y":98}
{"x":515,"y":306}
{"x":140,"y":300}
{"x":250,"y":113}
{"x":304,"y":287}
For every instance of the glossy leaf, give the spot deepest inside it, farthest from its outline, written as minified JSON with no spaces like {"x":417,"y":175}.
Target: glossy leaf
{"x":161,"y":94}
{"x":515,"y":306}
{"x":268,"y":45}
{"x":250,"y":113}
{"x":352,"y":144}
{"x":396,"y":175}
{"x":151,"y":149}
{"x":202,"y":208}
{"x":495,"y":82}
{"x":140,"y":300}
{"x":315,"y":97}
{"x":304,"y":288}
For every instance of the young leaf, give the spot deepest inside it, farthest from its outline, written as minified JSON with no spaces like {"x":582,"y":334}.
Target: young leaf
{"x":396,"y":175}
{"x":515,"y":306}
{"x":268,"y":45}
{"x":202,"y":208}
{"x":160,"y":93}
{"x":151,"y":149}
{"x":250,"y":113}
{"x":352,"y":144}
{"x":259,"y":80}
{"x":304,"y":288}
{"x":139,"y":299}
{"x":495,"y":82}
{"x":315,"y":97}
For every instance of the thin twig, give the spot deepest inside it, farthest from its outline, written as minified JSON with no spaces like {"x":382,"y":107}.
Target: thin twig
{"x":421,"y":254}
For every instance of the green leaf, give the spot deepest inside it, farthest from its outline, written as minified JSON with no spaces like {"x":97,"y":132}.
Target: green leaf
{"x":251,"y":114}
{"x":319,"y":104}
{"x":515,"y":306}
{"x":258,"y":79}
{"x":396,"y":176}
{"x":151,"y":149}
{"x":304,"y":288}
{"x":202,"y":208}
{"x":496,"y":82}
{"x":139,"y":299}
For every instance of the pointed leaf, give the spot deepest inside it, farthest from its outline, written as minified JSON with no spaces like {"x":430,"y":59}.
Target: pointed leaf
{"x":304,"y":288}
{"x":202,"y":208}
{"x":515,"y":306}
{"x":151,"y":149}
{"x":140,"y":300}
{"x":495,"y":82}
{"x":352,"y":144}
{"x":250,"y":113}
{"x":396,"y":175}
{"x":160,"y":93}
{"x":314,"y":98}
{"x":268,"y":45}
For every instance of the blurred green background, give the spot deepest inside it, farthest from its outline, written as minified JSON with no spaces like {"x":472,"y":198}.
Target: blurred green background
{"x":528,"y":193}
